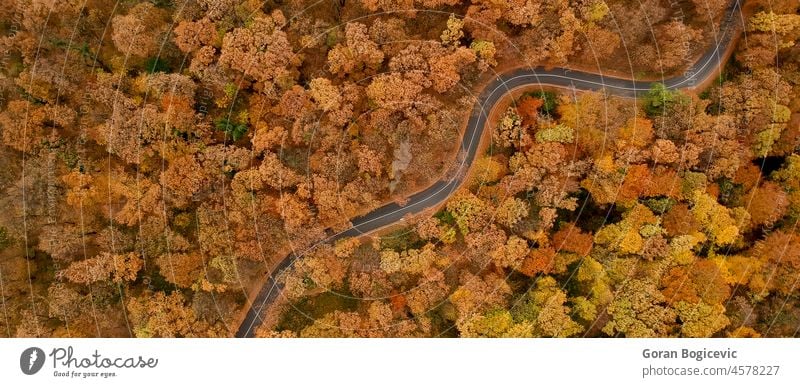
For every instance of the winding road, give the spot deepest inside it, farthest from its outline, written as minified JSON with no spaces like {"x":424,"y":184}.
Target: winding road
{"x":438,"y":192}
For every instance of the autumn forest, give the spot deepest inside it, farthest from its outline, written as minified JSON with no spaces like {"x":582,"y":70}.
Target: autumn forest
{"x":161,"y":158}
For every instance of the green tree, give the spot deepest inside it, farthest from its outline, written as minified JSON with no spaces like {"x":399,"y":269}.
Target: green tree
{"x":659,"y":99}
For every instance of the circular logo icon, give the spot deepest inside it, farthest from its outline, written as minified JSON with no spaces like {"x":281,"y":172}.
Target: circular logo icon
{"x":31,"y":360}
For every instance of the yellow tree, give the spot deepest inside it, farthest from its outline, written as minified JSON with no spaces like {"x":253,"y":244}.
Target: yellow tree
{"x":639,"y":310}
{"x":715,"y":219}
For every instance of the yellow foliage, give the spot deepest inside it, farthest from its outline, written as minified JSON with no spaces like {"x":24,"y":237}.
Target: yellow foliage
{"x":487,"y":170}
{"x":605,"y":164}
{"x":701,"y":319}
{"x":739,"y":269}
{"x":680,"y":249}
{"x":638,"y":132}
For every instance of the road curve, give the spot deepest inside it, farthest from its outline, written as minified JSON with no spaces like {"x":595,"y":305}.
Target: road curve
{"x":438,"y":192}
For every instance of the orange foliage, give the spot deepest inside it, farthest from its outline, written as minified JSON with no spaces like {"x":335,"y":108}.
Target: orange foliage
{"x":780,"y":255}
{"x":637,"y":179}
{"x":398,"y":302}
{"x":664,"y":182}
{"x":768,"y":203}
{"x":678,"y":221}
{"x":528,"y":109}
{"x":572,"y":238}
{"x":702,"y":280}
{"x":638,"y":132}
{"x":747,"y":175}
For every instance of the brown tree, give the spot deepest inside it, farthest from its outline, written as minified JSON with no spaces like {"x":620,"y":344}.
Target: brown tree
{"x":118,"y":268}
{"x":357,"y":54}
{"x":138,"y":32}
{"x":262,"y":51}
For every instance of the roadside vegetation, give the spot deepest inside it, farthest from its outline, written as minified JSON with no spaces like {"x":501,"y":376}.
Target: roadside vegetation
{"x":161,"y":156}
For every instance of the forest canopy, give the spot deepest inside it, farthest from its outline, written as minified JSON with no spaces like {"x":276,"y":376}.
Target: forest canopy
{"x":161,"y":157}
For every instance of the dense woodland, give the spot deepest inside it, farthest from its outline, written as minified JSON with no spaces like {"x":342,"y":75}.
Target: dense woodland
{"x":161,"y":156}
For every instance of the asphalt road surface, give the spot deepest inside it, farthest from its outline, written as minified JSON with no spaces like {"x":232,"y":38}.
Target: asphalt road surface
{"x":437,"y":193}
